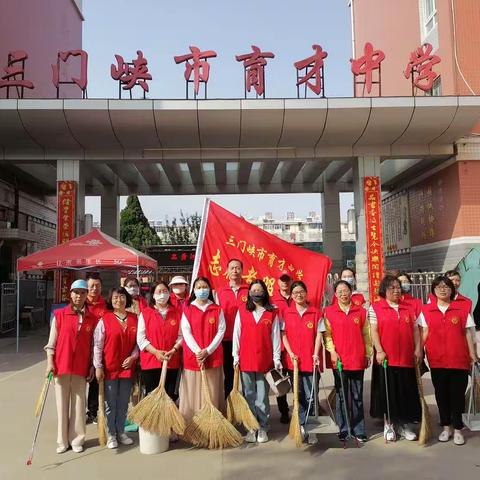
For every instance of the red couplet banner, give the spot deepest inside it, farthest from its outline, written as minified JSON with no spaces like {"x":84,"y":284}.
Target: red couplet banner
{"x":224,"y":236}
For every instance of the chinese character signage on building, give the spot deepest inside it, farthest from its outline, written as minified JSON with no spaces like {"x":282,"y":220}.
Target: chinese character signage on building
{"x":396,"y":224}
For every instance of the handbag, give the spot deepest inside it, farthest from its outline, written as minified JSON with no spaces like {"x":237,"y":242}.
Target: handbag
{"x":280,"y":384}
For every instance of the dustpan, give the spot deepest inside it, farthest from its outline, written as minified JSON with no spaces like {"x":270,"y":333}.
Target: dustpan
{"x":471,"y":418}
{"x":319,"y":423}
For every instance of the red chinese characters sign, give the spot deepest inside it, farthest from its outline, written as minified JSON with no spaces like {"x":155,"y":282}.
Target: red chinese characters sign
{"x":264,"y":255}
{"x":420,"y":68}
{"x":373,"y":227}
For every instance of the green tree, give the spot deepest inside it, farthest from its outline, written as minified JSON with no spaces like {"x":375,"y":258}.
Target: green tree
{"x":134,"y":227}
{"x":183,"y":231}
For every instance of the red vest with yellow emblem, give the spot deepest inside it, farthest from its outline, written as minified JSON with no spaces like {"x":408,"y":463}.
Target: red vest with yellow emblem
{"x":396,"y":332}
{"x":256,"y":348}
{"x":230,"y":304}
{"x":301,"y":332}
{"x":446,"y":344}
{"x":415,"y":303}
{"x":347,"y":335}
{"x":162,"y":334}
{"x":119,"y":344}
{"x":204,"y":327}
{"x":73,"y":351}
{"x":97,"y":308}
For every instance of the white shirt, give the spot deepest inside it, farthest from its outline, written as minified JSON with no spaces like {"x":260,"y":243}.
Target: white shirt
{"x":321,"y":323}
{"x":187,"y":330}
{"x":142,"y":341}
{"x":443,"y":308}
{"x":237,"y":331}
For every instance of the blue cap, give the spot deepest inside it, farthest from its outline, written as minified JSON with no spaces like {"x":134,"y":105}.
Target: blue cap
{"x":79,"y":284}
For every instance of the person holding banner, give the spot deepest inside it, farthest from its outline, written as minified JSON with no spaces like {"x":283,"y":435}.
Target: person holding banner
{"x":230,"y":298}
{"x":396,"y":338}
{"x":256,"y":349}
{"x":302,"y":327}
{"x":203,"y":327}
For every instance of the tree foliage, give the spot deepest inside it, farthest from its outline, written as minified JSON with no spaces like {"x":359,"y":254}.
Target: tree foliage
{"x":134,"y":227}
{"x":183,"y":231}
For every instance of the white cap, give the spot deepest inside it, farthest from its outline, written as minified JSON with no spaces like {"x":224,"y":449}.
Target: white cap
{"x":177,"y":279}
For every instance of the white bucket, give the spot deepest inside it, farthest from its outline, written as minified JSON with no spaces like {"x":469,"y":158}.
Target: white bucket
{"x":152,"y":443}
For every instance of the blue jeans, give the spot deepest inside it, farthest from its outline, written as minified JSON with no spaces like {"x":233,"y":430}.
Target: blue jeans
{"x":305,"y":387}
{"x":255,"y":390}
{"x":117,"y":396}
{"x":353,"y":384}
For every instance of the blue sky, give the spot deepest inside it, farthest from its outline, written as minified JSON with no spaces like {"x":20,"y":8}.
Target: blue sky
{"x":165,"y":29}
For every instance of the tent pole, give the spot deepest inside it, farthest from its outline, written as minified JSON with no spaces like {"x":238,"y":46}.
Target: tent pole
{"x":138,"y":270}
{"x":18,"y":309}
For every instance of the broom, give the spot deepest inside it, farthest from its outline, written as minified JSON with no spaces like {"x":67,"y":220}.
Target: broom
{"x":238,"y":411}
{"x":426,"y":425}
{"x":102,"y":423}
{"x":43,"y":393}
{"x":294,"y":431}
{"x":209,"y":428}
{"x":157,"y":412}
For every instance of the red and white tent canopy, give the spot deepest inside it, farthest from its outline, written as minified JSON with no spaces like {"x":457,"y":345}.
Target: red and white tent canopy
{"x":92,"y":250}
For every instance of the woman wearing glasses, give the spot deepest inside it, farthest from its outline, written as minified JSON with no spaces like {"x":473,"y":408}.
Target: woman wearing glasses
{"x":396,"y":338}
{"x":450,"y":351}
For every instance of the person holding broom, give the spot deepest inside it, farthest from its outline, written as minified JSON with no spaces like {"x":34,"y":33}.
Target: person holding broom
{"x":302,"y":329}
{"x":347,"y":339}
{"x":450,"y":351}
{"x":396,"y":338}
{"x":69,"y":358}
{"x":202,"y":327}
{"x":159,"y":339}
{"x":256,"y":349}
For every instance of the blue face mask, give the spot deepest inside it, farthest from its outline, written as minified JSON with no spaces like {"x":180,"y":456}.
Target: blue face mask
{"x":406,"y":287}
{"x":349,"y":280}
{"x":202,"y":293}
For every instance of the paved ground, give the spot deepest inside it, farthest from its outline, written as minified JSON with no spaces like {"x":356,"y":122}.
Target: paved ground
{"x":20,"y":381}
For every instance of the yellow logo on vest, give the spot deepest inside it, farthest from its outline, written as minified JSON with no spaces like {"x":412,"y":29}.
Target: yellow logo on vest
{"x":357,"y":302}
{"x":356,"y":320}
{"x":455,"y":320}
{"x":407,"y":318}
{"x":211,"y":320}
{"x":244,"y":298}
{"x":310,"y":325}
{"x":173,"y":323}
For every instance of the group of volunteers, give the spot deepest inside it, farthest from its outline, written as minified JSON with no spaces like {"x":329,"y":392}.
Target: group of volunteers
{"x":96,"y":340}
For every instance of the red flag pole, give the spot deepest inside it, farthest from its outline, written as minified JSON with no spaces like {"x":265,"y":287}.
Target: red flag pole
{"x":201,"y":237}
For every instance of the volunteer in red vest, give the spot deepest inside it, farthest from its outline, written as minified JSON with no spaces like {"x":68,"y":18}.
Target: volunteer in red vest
{"x":203,"y":327}
{"x":302,"y":327}
{"x":396,"y":338}
{"x":97,"y":306}
{"x":69,"y":357}
{"x":347,"y":338}
{"x":179,"y":293}
{"x":256,"y":349}
{"x":348,"y":275}
{"x":115,"y":353}
{"x":406,"y":285}
{"x":230,"y":298}
{"x":450,"y":351}
{"x":159,"y":339}
{"x":132,"y":286}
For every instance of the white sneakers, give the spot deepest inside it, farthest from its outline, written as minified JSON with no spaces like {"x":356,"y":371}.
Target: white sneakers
{"x":112,"y":442}
{"x":389,"y":433}
{"x":458,"y":438}
{"x":446,"y":435}
{"x":61,"y":449}
{"x":407,"y":433}
{"x":251,"y":436}
{"x":77,"y":448}
{"x":125,"y":439}
{"x":262,"y":436}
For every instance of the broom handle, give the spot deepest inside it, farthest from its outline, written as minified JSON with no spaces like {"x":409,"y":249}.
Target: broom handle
{"x":419,"y":380}
{"x":206,"y":391}
{"x":236,"y":377}
{"x":163,"y":376}
{"x":295,"y":383}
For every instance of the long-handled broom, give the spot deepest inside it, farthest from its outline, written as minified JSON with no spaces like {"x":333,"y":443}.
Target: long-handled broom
{"x":426,"y":424}
{"x":209,"y":428}
{"x":238,"y":411}
{"x":42,"y":395}
{"x":294,"y":431}
{"x":157,"y":412}
{"x":102,"y":423}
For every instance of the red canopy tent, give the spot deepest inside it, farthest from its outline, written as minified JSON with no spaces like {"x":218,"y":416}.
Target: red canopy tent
{"x":90,"y":251}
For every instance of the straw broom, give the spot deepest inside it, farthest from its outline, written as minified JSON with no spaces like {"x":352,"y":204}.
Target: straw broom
{"x":41,"y":396}
{"x":157,"y":412}
{"x":426,"y":424}
{"x":294,"y":431}
{"x":102,"y":423}
{"x":238,"y":411}
{"x":209,"y":428}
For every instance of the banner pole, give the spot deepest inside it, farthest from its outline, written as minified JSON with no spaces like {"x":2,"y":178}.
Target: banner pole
{"x":18,"y":309}
{"x":201,"y":237}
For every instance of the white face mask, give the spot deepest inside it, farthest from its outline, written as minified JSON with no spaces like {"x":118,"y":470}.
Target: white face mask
{"x":161,"y":297}
{"x":349,"y":280}
{"x":179,"y":290}
{"x":134,"y":291}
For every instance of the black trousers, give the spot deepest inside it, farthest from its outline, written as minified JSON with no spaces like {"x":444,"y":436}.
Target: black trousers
{"x":282,"y":404}
{"x":92,"y":401}
{"x":450,"y":385}
{"x":151,"y":378}
{"x":227,"y":366}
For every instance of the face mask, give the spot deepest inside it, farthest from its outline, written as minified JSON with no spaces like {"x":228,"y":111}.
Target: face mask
{"x":178,"y":290}
{"x":406,"y":287}
{"x":161,"y":297}
{"x":134,"y":291}
{"x":202,"y":293}
{"x":257,"y":297}
{"x":349,"y":280}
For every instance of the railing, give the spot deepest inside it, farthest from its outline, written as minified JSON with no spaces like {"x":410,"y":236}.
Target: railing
{"x":8,"y":307}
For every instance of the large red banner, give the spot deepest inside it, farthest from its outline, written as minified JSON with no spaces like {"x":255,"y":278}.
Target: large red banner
{"x":373,"y":227}
{"x":224,"y":236}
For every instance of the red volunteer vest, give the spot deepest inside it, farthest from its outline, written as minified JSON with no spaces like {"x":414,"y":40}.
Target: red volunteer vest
{"x":446,"y":344}
{"x":415,"y":303}
{"x":179,"y":303}
{"x":301,"y":332}
{"x":97,"y":308}
{"x":357,"y":299}
{"x":281,"y":303}
{"x":256,"y":349}
{"x":230,"y":304}
{"x":119,"y":345}
{"x":463,"y":302}
{"x":347,"y":335}
{"x":162,"y":334}
{"x":204,"y":327}
{"x":73,"y":351}
{"x":396,"y":333}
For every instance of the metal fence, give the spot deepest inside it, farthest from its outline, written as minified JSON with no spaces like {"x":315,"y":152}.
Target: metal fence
{"x":8,"y":307}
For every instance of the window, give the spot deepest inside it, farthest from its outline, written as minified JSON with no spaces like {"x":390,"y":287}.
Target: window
{"x":436,"y":90}
{"x":428,"y":16}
